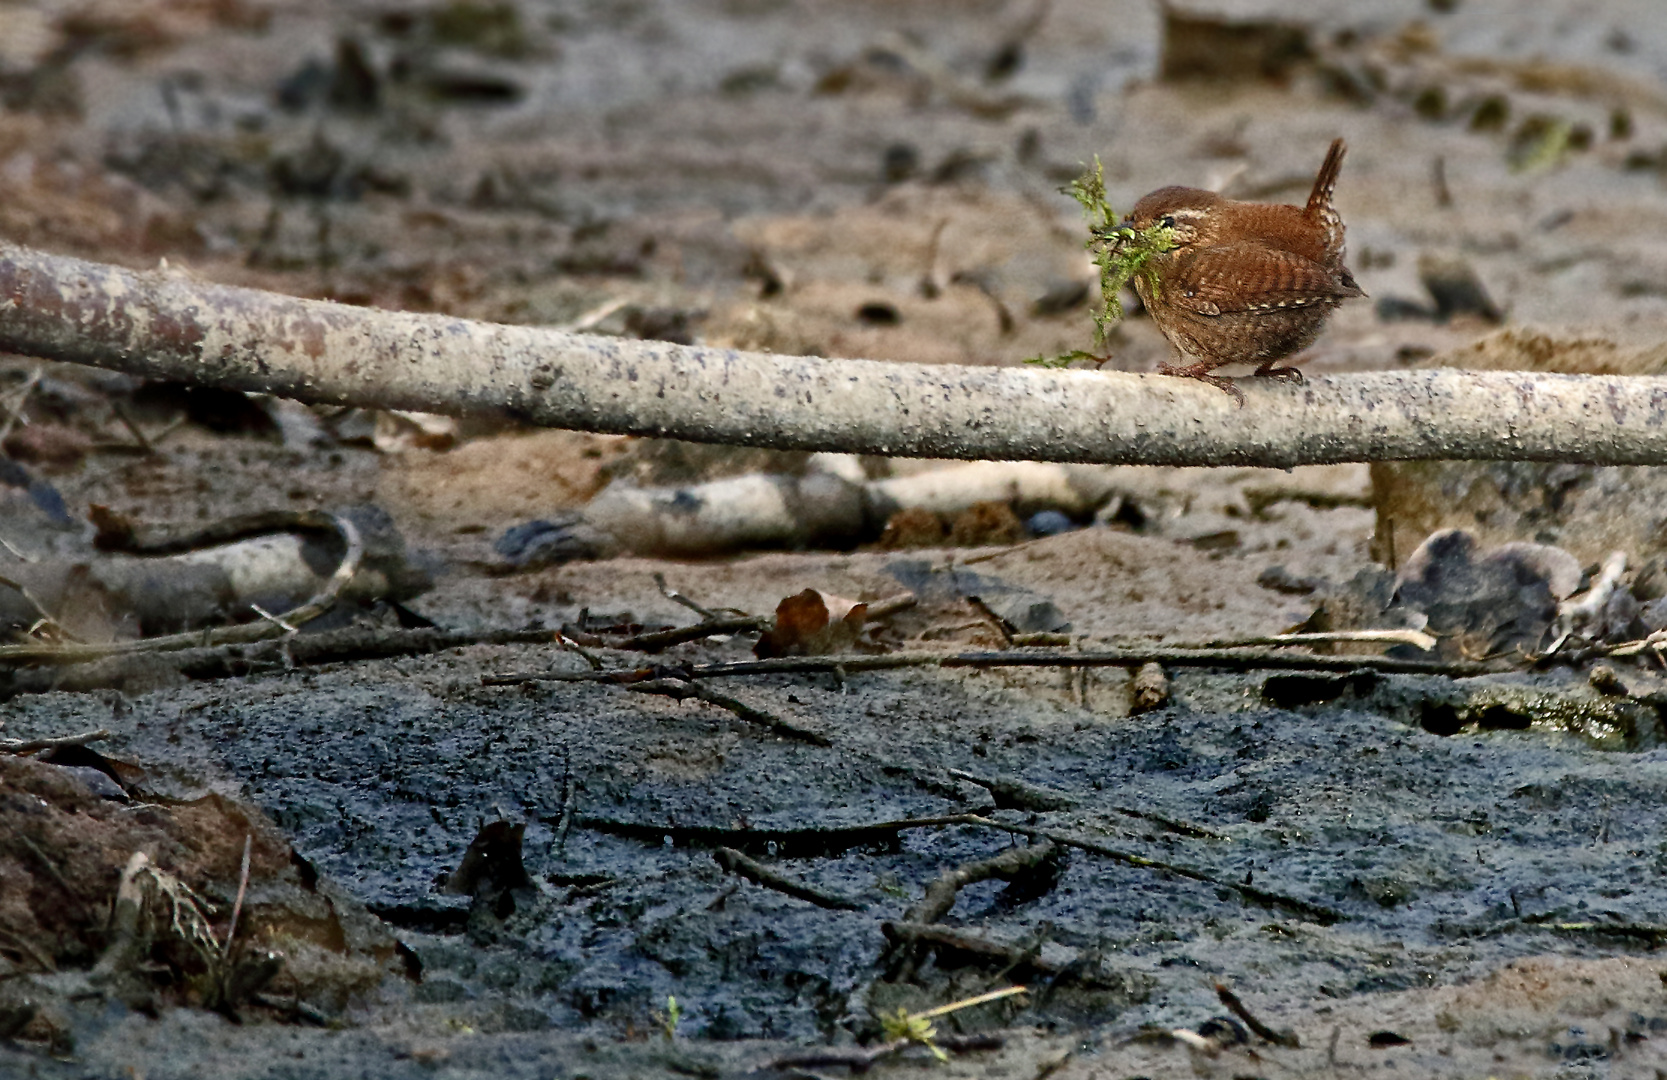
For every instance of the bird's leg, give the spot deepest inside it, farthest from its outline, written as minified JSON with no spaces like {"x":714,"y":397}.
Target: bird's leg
{"x":1201,"y":372}
{"x":1289,"y":374}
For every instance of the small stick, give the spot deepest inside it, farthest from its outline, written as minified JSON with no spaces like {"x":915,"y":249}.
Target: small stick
{"x":1317,"y":912}
{"x":49,"y":866}
{"x":132,"y":427}
{"x":990,"y":953}
{"x":30,"y":746}
{"x":940,"y":896}
{"x":656,"y":640}
{"x":593,"y":318}
{"x":119,"y":955}
{"x":29,"y":949}
{"x":860,"y":1060}
{"x":843,"y":839}
{"x":753,"y":870}
{"x":1416,"y":638}
{"x":21,"y":556}
{"x":237,"y":905}
{"x":1231,"y":659}
{"x":682,"y":690}
{"x":565,"y":823}
{"x":277,"y":620}
{"x":570,"y":645}
{"x":1185,"y":828}
{"x":890,"y":605}
{"x":1240,"y":1010}
{"x":676,"y":597}
{"x":23,"y":393}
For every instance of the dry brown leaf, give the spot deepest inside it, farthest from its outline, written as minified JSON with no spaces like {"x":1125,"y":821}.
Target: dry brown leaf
{"x":813,"y":623}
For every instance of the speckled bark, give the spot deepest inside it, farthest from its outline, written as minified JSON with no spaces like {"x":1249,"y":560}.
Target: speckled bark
{"x":168,"y":325}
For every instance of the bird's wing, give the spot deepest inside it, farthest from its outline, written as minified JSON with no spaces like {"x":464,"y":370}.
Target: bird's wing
{"x":1253,"y":277}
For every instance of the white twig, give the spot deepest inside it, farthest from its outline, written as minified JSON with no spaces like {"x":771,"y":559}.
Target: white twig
{"x":1578,"y":611}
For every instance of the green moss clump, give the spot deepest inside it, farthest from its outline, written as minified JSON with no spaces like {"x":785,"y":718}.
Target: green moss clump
{"x":1120,"y":251}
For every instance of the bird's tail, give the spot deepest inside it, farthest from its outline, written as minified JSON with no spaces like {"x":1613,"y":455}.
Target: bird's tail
{"x":1320,"y":198}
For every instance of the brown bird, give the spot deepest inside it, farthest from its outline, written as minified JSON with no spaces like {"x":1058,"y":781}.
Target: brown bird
{"x":1246,"y":282}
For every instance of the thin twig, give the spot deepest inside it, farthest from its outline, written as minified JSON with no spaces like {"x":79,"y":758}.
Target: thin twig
{"x":805,"y":842}
{"x":46,"y":618}
{"x":49,"y":866}
{"x":277,"y":620}
{"x":992,"y":954}
{"x":657,"y":640}
{"x":861,"y":1059}
{"x":237,"y":905}
{"x":570,"y":645}
{"x":682,"y":690}
{"x":16,"y":410}
{"x":30,"y":746}
{"x":1174,"y":825}
{"x":28,"y":948}
{"x":739,"y":863}
{"x":676,"y":597}
{"x":13,"y":550}
{"x":132,"y":427}
{"x":351,"y":643}
{"x":1242,"y":1011}
{"x":1416,"y":638}
{"x":1317,"y":912}
{"x":1231,"y":659}
{"x":565,"y":822}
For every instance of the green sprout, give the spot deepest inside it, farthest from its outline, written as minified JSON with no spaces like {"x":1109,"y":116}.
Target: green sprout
{"x":1120,"y":251}
{"x":904,"y":1026}
{"x":670,"y":1018}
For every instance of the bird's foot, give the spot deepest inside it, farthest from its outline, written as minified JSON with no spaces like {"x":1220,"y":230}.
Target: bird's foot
{"x":1201,"y":372}
{"x":1288,"y":374}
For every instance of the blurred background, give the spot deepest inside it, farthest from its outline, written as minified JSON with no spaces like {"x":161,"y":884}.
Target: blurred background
{"x":872,"y":179}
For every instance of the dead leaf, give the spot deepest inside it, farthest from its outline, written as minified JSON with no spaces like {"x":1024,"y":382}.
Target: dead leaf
{"x":396,"y":432}
{"x":813,"y":623}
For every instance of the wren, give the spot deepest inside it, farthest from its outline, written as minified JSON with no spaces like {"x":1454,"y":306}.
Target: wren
{"x":1245,"y":282}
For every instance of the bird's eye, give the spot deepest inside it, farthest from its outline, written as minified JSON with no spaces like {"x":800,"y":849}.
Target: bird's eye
{"x":1167,"y":221}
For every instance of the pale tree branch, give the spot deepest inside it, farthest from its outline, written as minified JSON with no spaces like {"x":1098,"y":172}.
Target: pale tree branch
{"x":168,"y":325}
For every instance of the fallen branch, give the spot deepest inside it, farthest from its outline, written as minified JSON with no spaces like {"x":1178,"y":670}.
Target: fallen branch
{"x":238,"y":659}
{"x":1231,"y":659}
{"x":759,"y":874}
{"x":164,"y":324}
{"x":325,"y":599}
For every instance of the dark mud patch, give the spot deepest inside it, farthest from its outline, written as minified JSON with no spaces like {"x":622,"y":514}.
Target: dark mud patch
{"x":1444,"y":856}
